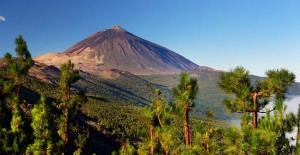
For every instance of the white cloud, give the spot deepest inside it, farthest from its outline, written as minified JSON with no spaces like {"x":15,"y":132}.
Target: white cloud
{"x":2,"y":18}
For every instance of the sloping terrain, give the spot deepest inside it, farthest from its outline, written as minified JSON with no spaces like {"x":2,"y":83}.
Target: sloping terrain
{"x":109,"y":115}
{"x":116,"y":48}
{"x":121,"y":86}
{"x":133,"y":90}
{"x":210,"y":96}
{"x":126,"y":88}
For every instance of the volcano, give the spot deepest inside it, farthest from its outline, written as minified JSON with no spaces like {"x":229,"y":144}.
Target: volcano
{"x":116,"y":48}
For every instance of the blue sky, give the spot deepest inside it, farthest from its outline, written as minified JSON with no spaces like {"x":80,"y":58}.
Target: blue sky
{"x":223,"y":34}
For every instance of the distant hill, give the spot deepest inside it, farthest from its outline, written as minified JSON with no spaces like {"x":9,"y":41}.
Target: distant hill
{"x":116,"y":48}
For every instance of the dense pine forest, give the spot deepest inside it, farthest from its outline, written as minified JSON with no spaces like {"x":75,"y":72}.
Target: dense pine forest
{"x":37,"y":117}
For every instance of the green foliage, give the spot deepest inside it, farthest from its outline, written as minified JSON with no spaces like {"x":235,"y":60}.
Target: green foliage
{"x":41,"y":129}
{"x":12,"y":142}
{"x":16,"y":70}
{"x":127,"y":149}
{"x":79,"y":143}
{"x":252,"y":98}
{"x":169,"y":139}
{"x":154,"y":129}
{"x":126,"y":120}
{"x":126,"y":89}
{"x":279,"y":81}
{"x":67,"y":77}
{"x":18,"y":67}
{"x":233,"y":142}
{"x":12,"y":136}
{"x":186,"y":90}
{"x":16,"y":121}
{"x":233,"y":81}
{"x":209,"y":99}
{"x":184,"y":95}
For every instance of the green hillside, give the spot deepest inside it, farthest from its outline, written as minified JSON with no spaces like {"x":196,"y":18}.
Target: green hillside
{"x":106,"y":116}
{"x":114,"y":110}
{"x":210,"y":96}
{"x":133,"y":90}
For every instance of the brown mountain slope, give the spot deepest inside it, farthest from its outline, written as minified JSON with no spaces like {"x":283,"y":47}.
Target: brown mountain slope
{"x":116,"y":48}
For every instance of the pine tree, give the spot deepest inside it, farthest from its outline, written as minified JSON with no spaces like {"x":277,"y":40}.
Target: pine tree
{"x":166,"y":139}
{"x":162,"y":137}
{"x":67,"y":77}
{"x":41,"y":129}
{"x":233,"y":142}
{"x":252,"y":98}
{"x":80,"y":98}
{"x":14,"y":140}
{"x":184,"y":94}
{"x":127,"y":149}
{"x":159,"y":106}
{"x":297,"y":147}
{"x":284,"y":123}
{"x":152,"y":116}
{"x":80,"y":142}
{"x":16,"y":121}
{"x":209,"y":116}
{"x":5,"y":88}
{"x":19,"y":67}
{"x":149,"y":116}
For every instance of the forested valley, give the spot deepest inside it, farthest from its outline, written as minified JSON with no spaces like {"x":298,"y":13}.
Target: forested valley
{"x":43,"y":118}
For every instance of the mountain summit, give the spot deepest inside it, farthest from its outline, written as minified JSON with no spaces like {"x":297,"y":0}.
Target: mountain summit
{"x":115,"y":48}
{"x":118,"y":28}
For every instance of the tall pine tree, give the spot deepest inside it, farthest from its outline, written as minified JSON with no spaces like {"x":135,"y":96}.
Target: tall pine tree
{"x":41,"y":129}
{"x":18,"y":67}
{"x":184,"y":94}
{"x":68,"y":76}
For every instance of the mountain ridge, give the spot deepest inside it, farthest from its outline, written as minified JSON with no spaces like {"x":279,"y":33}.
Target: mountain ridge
{"x":117,"y":48}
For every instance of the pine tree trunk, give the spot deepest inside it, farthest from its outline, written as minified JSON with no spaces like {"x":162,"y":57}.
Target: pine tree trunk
{"x":152,"y":138}
{"x":207,"y":147}
{"x":167,"y":152}
{"x":254,"y":113}
{"x":69,"y":93}
{"x":18,"y":89}
{"x":298,"y":133}
{"x":186,"y":126}
{"x":159,"y":120}
{"x":67,"y":125}
{"x":67,"y":117}
{"x":254,"y":120}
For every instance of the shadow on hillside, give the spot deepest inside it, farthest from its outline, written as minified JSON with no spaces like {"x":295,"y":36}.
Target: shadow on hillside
{"x":98,"y":98}
{"x":33,"y":97}
{"x":117,"y":92}
{"x":97,"y":142}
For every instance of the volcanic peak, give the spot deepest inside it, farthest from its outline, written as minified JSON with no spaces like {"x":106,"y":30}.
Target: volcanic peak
{"x":118,"y":28}
{"x":116,"y":48}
